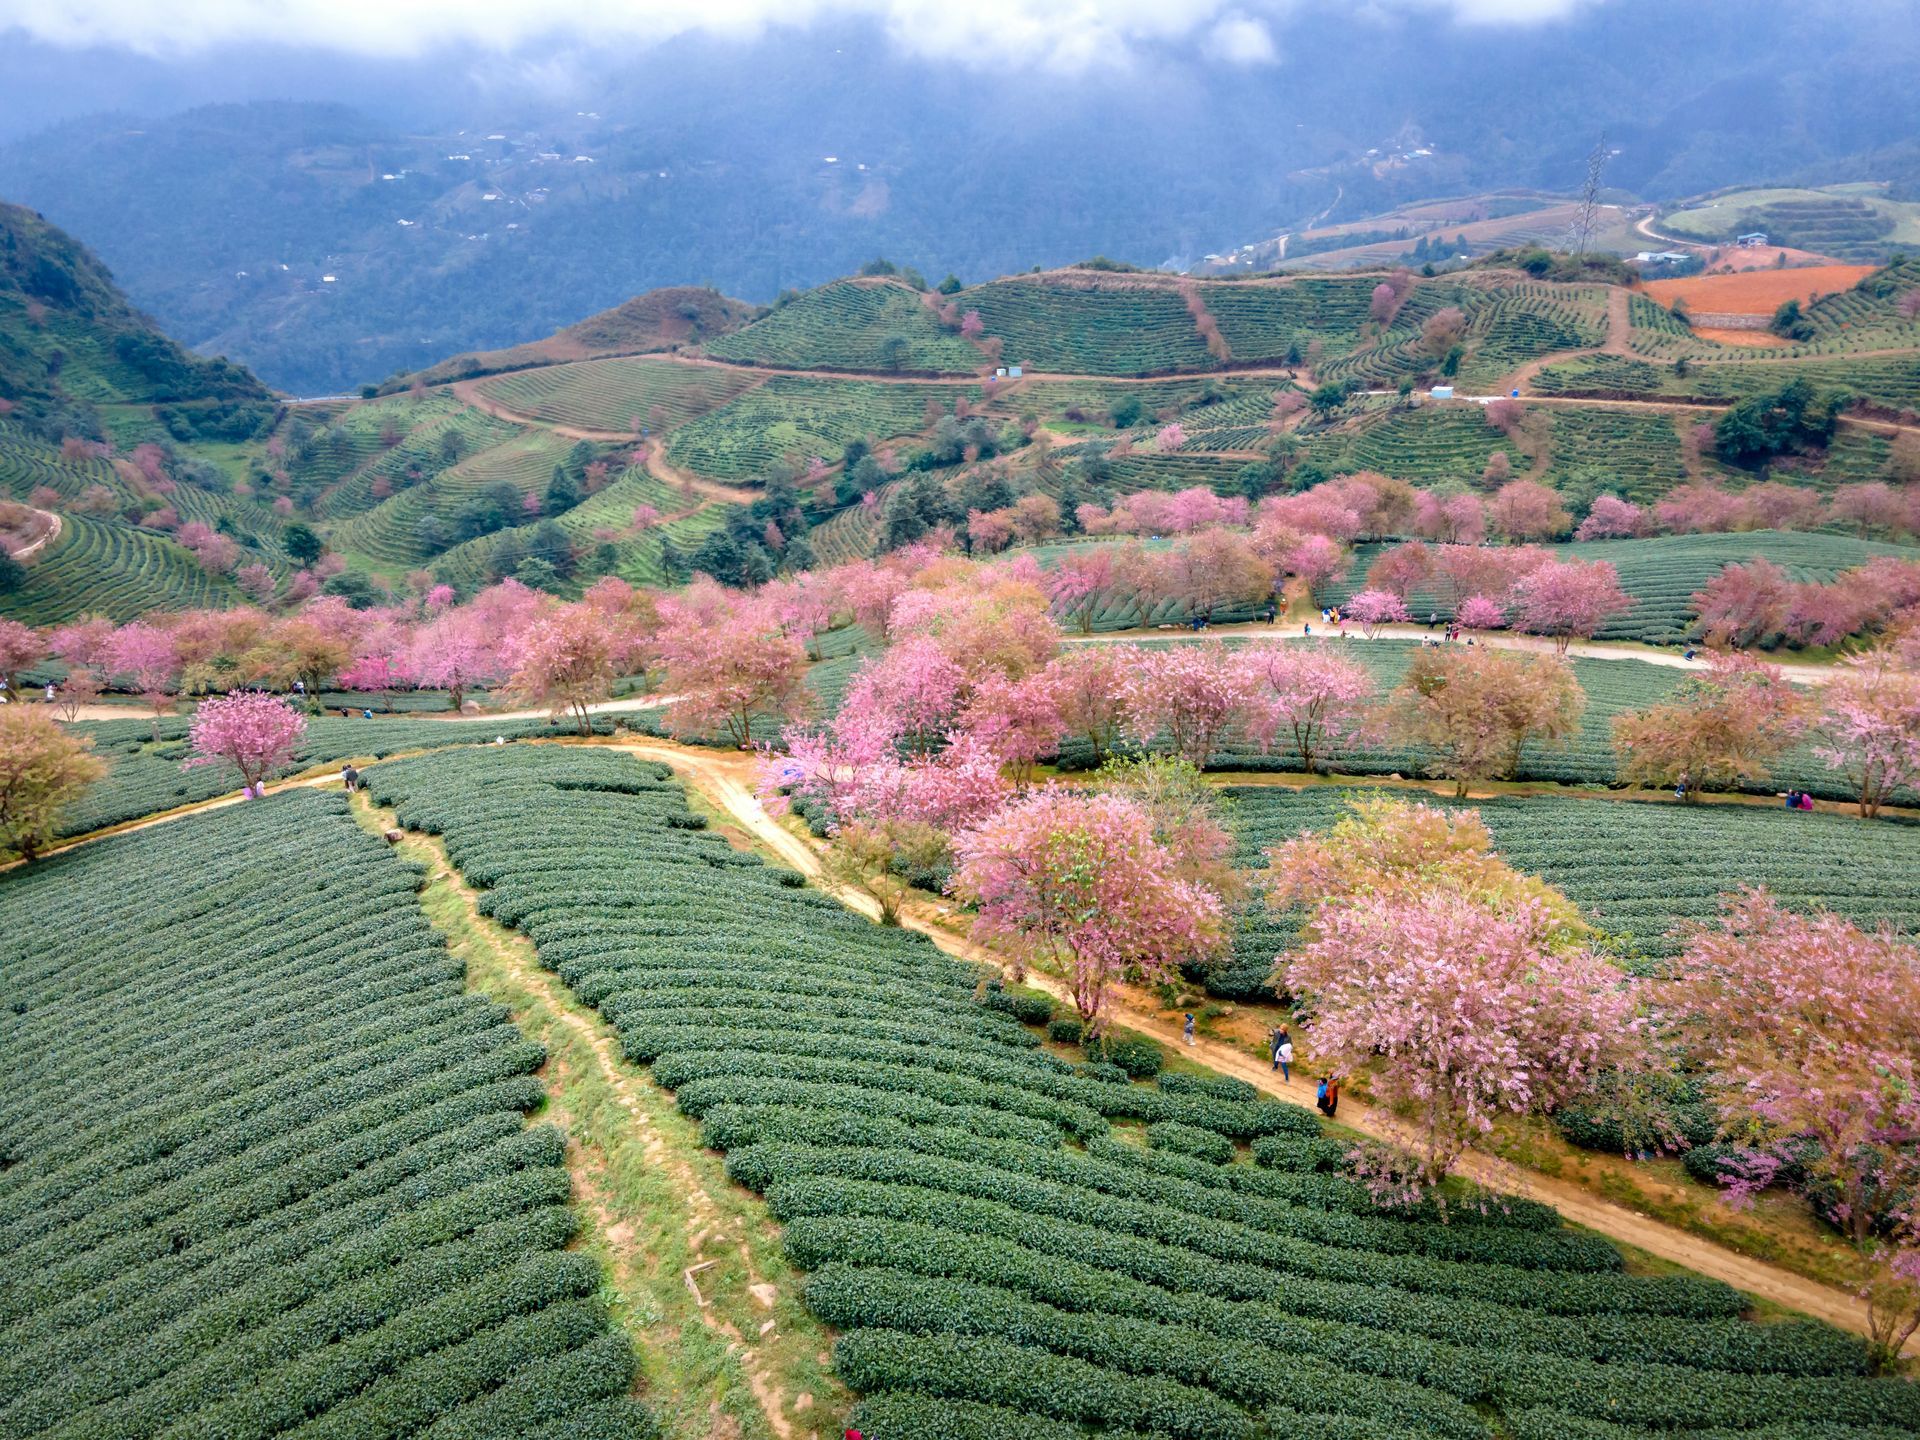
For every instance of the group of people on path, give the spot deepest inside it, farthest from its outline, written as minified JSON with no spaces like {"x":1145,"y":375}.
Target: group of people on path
{"x":1326,"y":1094}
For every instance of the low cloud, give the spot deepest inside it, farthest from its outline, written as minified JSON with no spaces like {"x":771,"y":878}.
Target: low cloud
{"x":1061,"y":35}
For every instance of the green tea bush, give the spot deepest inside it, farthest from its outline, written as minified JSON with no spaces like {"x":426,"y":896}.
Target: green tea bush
{"x":987,"y":1238}
{"x":266,"y":1163}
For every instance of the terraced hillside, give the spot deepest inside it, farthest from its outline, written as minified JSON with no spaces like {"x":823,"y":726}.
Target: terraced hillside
{"x":802,"y":418}
{"x":1890,"y":383}
{"x":982,"y":1224}
{"x":70,"y":343}
{"x":267,"y":1162}
{"x":1640,"y":872}
{"x":1090,"y":326}
{"x":618,"y":395}
{"x":1662,"y":573}
{"x":113,"y":569}
{"x":874,"y":325}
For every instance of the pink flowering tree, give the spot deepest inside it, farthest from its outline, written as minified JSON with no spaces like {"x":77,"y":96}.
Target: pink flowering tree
{"x":1089,"y":690}
{"x":146,"y":657}
{"x":563,"y":662}
{"x":1316,"y":559}
{"x":726,"y":676}
{"x":1075,"y":584}
{"x":1170,"y":438}
{"x":454,"y":652}
{"x":1479,"y":612}
{"x":1373,"y":608}
{"x":1077,"y":884}
{"x":1017,"y":720}
{"x":1456,"y":1014}
{"x":1191,"y":694}
{"x":1308,"y":697}
{"x":1869,"y":727}
{"x":251,"y":730}
{"x":20,"y":647}
{"x":1611,"y":518}
{"x":1807,"y":1027}
{"x":909,"y":695}
{"x":1568,"y":600}
{"x":1745,"y":604}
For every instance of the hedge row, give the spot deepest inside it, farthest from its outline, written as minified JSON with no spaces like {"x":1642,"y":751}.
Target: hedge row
{"x":265,"y":1160}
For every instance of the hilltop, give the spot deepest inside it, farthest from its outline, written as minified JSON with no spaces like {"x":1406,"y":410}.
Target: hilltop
{"x":657,"y":320}
{"x":71,"y":343}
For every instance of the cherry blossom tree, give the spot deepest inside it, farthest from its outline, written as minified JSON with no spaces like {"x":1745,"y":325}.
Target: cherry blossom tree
{"x":1309,"y":697}
{"x":726,"y":676}
{"x":145,"y":655}
{"x":1611,"y":518}
{"x":1075,"y":584}
{"x":253,"y":731}
{"x":1480,"y":612}
{"x":1373,"y":608}
{"x":909,"y":695}
{"x":1568,"y":600}
{"x":1527,"y":510}
{"x":1090,"y":692}
{"x":1451,"y":519}
{"x":1017,"y":720}
{"x":1457,"y":1014}
{"x":43,"y":770}
{"x":1807,"y":1027}
{"x":1078,"y":884}
{"x":1192,"y":694}
{"x":1401,"y":570}
{"x":20,"y":647}
{"x":563,"y":662}
{"x":1316,"y":559}
{"x":1213,"y":568}
{"x":80,"y":689}
{"x":1745,"y":603}
{"x":1869,"y":727}
{"x":1473,"y":709}
{"x":1717,"y":730}
{"x":989,"y":531}
{"x":1170,"y":438}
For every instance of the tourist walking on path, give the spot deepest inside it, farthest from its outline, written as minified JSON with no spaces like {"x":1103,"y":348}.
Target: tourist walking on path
{"x":1188,"y":1027}
{"x":1283,"y":1054}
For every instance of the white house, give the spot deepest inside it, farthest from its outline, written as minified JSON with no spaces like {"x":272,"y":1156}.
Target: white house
{"x":1752,"y":240}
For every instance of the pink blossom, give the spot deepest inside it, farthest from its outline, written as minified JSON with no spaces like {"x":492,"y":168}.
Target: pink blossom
{"x":1078,"y":883}
{"x":1611,"y":518}
{"x":1309,"y":697}
{"x":1192,"y":694}
{"x":253,"y":731}
{"x":1374,"y":608}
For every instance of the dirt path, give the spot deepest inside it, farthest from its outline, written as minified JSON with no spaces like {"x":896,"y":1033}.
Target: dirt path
{"x":709,"y":1236}
{"x":28,"y":551}
{"x":726,"y":781}
{"x":1503,"y":640}
{"x":667,"y":473}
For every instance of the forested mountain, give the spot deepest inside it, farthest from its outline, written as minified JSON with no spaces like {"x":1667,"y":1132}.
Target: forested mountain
{"x":70,"y":342}
{"x":759,"y":166}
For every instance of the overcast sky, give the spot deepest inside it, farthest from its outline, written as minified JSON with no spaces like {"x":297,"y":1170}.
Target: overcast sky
{"x":1068,"y":35}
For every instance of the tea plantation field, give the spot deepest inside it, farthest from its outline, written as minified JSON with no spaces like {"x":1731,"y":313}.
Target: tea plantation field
{"x":1890,"y":383}
{"x":1611,"y":686}
{"x":145,"y":777}
{"x":1008,"y":1243}
{"x":795,"y":417}
{"x":1663,"y":572}
{"x":621,"y":395}
{"x":877,"y":325}
{"x":1638,"y":871}
{"x":266,"y":1163}
{"x":1113,"y":328}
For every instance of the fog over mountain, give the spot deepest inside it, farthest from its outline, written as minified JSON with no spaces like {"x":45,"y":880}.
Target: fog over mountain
{"x":225,"y":166}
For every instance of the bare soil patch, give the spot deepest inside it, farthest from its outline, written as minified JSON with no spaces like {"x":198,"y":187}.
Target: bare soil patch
{"x":1756,"y":292}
